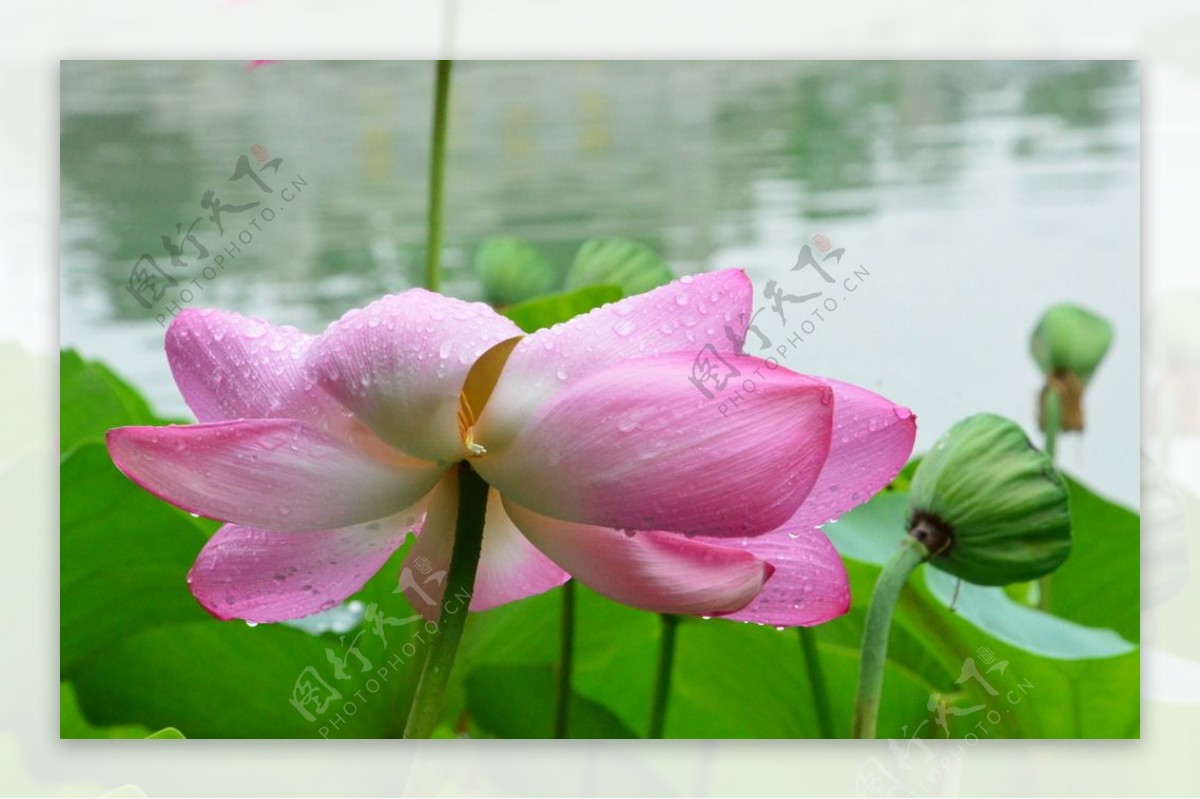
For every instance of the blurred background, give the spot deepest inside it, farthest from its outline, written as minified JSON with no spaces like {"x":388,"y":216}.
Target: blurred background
{"x":973,"y":194}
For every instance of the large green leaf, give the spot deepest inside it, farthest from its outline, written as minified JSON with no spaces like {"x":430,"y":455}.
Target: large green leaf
{"x":633,"y":266}
{"x":230,"y":680}
{"x":73,"y":724}
{"x":92,"y":399}
{"x":520,"y":701}
{"x":1045,"y":634}
{"x":1080,"y":697}
{"x":124,"y":557}
{"x":1100,"y":584}
{"x":167,"y":732}
{"x":513,"y":271}
{"x":737,"y":680}
{"x":541,"y":312}
{"x":615,"y":649}
{"x":226,"y":680}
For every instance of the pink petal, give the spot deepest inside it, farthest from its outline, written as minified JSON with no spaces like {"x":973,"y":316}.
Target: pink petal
{"x":229,"y":366}
{"x":399,"y":365}
{"x":682,"y":316}
{"x":872,"y":440}
{"x":810,"y":584}
{"x":266,"y":576}
{"x":636,"y":446}
{"x":279,"y":474}
{"x":655,"y":571}
{"x":510,"y":568}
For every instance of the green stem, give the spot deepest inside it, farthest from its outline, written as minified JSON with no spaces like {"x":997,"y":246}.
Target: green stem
{"x":875,"y":637}
{"x":662,"y":682}
{"x":1052,"y":414}
{"x":566,"y":657}
{"x":460,"y":582}
{"x":437,"y":172}
{"x":816,"y":681}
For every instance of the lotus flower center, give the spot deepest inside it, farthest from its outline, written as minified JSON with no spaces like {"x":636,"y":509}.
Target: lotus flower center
{"x":477,"y":389}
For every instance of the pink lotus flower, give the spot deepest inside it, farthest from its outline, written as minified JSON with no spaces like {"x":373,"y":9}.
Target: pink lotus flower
{"x":603,"y":460}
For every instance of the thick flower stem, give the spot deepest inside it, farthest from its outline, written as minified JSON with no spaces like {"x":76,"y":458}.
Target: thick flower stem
{"x":875,"y":637}
{"x":1052,"y":417}
{"x":566,"y":656}
{"x":437,"y":171}
{"x":464,"y":561}
{"x":816,"y":681}
{"x":662,"y":682}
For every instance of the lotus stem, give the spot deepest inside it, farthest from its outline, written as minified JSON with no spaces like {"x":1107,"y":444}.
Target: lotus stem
{"x":566,"y":658}
{"x":662,"y":683}
{"x":460,"y":582}
{"x":816,"y":681}
{"x":1052,"y":416}
{"x":875,"y":637}
{"x":437,"y":172}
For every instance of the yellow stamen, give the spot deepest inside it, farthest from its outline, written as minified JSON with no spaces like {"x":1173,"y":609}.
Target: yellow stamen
{"x":476,"y":391}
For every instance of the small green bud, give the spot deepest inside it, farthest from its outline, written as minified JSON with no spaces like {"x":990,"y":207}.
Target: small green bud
{"x":512,"y":271}
{"x":1070,"y":339}
{"x":990,"y":507}
{"x":619,"y":262}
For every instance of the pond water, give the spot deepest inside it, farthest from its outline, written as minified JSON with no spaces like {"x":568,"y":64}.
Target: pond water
{"x":966,"y":196}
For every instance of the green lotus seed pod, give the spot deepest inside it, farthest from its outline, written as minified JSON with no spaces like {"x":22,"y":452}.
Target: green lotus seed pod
{"x":512,"y":271}
{"x":990,"y":507}
{"x":619,"y":262}
{"x":1070,"y":339}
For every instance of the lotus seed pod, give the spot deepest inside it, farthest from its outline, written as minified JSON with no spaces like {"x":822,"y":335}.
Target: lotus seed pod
{"x":1068,"y":344}
{"x":512,"y":271}
{"x":990,"y":507}
{"x":1070,"y":339}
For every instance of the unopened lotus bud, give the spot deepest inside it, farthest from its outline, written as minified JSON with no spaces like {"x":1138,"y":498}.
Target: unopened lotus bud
{"x":1068,"y":344}
{"x":989,"y":506}
{"x":512,"y":271}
